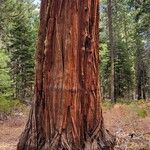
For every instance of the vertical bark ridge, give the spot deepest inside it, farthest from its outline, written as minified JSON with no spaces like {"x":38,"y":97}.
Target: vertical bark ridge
{"x":67,"y":113}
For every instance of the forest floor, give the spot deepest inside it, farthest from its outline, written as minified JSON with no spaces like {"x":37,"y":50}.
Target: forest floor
{"x":129,"y":122}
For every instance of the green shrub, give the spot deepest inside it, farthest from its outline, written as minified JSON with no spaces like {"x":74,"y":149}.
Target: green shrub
{"x":140,"y":111}
{"x":140,"y":108}
{"x":108,"y":104}
{"x":124,"y":101}
{"x":7,"y":105}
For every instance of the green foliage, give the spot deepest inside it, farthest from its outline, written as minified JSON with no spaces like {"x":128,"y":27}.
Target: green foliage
{"x":140,"y":108}
{"x":142,"y":38}
{"x":105,"y":67}
{"x":124,"y":101}
{"x":8,"y":105}
{"x":140,"y":111}
{"x":22,"y":47}
{"x":5,"y":79}
{"x":108,"y":104}
{"x":19,"y":29}
{"x":131,"y":35}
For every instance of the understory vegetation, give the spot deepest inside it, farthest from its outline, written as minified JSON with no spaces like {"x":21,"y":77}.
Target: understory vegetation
{"x":8,"y":106}
{"x":139,"y":108}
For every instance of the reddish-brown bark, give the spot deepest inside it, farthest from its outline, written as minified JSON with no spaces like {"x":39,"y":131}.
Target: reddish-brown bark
{"x":66,"y":114}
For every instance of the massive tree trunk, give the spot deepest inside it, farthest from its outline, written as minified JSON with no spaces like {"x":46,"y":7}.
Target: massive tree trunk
{"x":66,"y":114}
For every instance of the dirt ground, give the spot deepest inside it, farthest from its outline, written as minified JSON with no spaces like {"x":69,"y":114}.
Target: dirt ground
{"x":133,"y":133}
{"x":10,"y":131}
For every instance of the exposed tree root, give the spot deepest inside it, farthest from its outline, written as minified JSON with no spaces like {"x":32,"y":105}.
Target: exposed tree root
{"x":101,"y":139}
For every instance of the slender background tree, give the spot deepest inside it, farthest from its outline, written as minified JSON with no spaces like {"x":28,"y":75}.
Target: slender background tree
{"x":130,"y":30}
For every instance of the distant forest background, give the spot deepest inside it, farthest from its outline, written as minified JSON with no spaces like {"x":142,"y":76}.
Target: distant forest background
{"x":124,"y":49}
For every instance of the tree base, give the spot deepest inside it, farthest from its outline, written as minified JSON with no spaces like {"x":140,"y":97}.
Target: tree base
{"x":60,"y":143}
{"x":31,"y":139}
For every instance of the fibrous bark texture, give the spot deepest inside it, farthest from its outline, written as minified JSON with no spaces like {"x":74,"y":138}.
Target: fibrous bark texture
{"x":66,"y":114}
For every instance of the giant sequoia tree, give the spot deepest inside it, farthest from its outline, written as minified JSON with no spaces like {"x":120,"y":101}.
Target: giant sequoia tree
{"x":66,"y":113}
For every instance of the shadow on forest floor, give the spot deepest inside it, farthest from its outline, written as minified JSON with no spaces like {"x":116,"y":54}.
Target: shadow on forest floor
{"x":129,"y":122}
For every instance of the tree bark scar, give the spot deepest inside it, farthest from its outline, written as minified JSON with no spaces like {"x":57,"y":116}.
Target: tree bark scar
{"x":88,"y":44}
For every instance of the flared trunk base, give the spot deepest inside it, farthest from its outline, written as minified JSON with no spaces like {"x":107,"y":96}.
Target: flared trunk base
{"x":31,"y":139}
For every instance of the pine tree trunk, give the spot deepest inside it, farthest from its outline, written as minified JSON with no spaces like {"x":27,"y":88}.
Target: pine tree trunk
{"x":66,"y":114}
{"x":111,"y":48}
